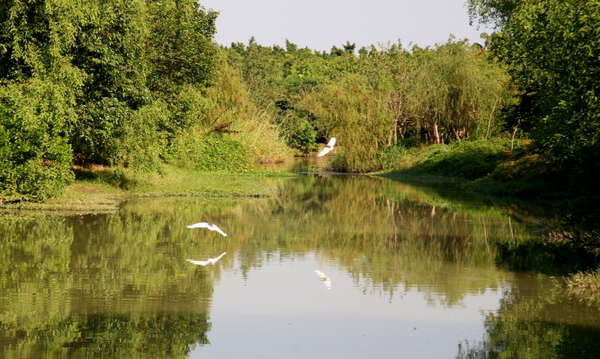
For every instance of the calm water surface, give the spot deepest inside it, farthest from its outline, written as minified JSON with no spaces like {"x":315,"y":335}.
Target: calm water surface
{"x":412,"y":271}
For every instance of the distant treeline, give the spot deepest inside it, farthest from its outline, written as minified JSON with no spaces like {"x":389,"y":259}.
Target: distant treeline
{"x":140,"y":84}
{"x":373,"y":99}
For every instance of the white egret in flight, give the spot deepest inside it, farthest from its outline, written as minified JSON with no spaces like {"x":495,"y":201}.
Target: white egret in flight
{"x":324,"y":278}
{"x":327,"y":148}
{"x":211,"y":226}
{"x":206,"y":262}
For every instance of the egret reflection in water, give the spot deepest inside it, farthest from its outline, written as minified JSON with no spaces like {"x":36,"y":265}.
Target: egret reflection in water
{"x":211,"y":226}
{"x":324,"y":278}
{"x":208,"y":261}
{"x":327,"y":148}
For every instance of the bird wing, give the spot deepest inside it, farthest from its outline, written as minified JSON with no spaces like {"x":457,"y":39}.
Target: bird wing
{"x":219,"y":257}
{"x":216,"y":259}
{"x":199,"y":225}
{"x":199,"y":263}
{"x":327,"y":148}
{"x":215,"y":228}
{"x":324,"y":151}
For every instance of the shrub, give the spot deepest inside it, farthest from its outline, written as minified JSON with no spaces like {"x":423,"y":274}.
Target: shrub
{"x":208,"y":153}
{"x":35,"y":158}
{"x":261,"y":139}
{"x":391,"y":156}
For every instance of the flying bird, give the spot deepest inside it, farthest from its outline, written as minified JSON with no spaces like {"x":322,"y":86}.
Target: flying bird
{"x":206,"y":262}
{"x":211,"y":226}
{"x":324,"y":278}
{"x":327,"y":148}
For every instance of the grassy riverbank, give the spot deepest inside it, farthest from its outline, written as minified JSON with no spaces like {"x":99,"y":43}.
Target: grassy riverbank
{"x":101,"y":189}
{"x":487,"y":167}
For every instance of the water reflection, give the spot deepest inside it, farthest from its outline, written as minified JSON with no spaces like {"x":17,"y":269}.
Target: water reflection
{"x":410,"y":264}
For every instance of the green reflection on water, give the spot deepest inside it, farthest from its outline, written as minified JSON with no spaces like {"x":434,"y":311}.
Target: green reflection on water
{"x":104,"y":284}
{"x":118,"y":284}
{"x":535,"y":320}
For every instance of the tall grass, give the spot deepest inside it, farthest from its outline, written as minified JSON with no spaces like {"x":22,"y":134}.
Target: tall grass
{"x":261,"y":139}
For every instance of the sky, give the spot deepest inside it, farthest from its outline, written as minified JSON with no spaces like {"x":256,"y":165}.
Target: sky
{"x":321,"y":24}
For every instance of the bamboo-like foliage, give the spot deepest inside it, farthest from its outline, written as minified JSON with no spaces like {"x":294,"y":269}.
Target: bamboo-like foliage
{"x":460,"y":91}
{"x":451,"y":92}
{"x":357,"y":115}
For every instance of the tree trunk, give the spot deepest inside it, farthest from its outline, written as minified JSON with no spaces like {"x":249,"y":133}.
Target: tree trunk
{"x":455,"y":133}
{"x":436,"y":134}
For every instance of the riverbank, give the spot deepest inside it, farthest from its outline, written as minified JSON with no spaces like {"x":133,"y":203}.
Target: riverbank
{"x":101,"y":189}
{"x":486,"y":167}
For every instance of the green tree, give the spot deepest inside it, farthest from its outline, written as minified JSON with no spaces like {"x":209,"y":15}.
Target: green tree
{"x":136,"y":54}
{"x":551,"y":50}
{"x":102,"y":81}
{"x":454,"y":91}
{"x":38,"y":89}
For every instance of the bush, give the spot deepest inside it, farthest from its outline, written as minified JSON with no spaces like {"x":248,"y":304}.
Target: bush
{"x":391,"y":156}
{"x":35,"y":157}
{"x":208,"y":153}
{"x":299,"y":133}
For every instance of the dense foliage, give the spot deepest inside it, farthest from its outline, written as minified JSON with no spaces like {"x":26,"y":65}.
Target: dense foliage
{"x":375,"y":98}
{"x":140,"y":83}
{"x":97,"y":81}
{"x":551,"y":50}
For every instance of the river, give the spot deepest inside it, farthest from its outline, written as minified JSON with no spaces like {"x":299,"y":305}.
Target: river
{"x":331,"y":266}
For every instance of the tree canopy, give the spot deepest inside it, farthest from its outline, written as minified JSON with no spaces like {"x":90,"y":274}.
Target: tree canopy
{"x":551,"y":50}
{"x":104,"y":81}
{"x":141,"y":83}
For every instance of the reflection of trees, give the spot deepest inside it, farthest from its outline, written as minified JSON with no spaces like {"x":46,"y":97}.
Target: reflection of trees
{"x":546,"y":257}
{"x":120,"y":281}
{"x":387,"y":234}
{"x":412,"y":237}
{"x":534,"y":322}
{"x":557,"y":253}
{"x":111,"y":284}
{"x":106,"y":335}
